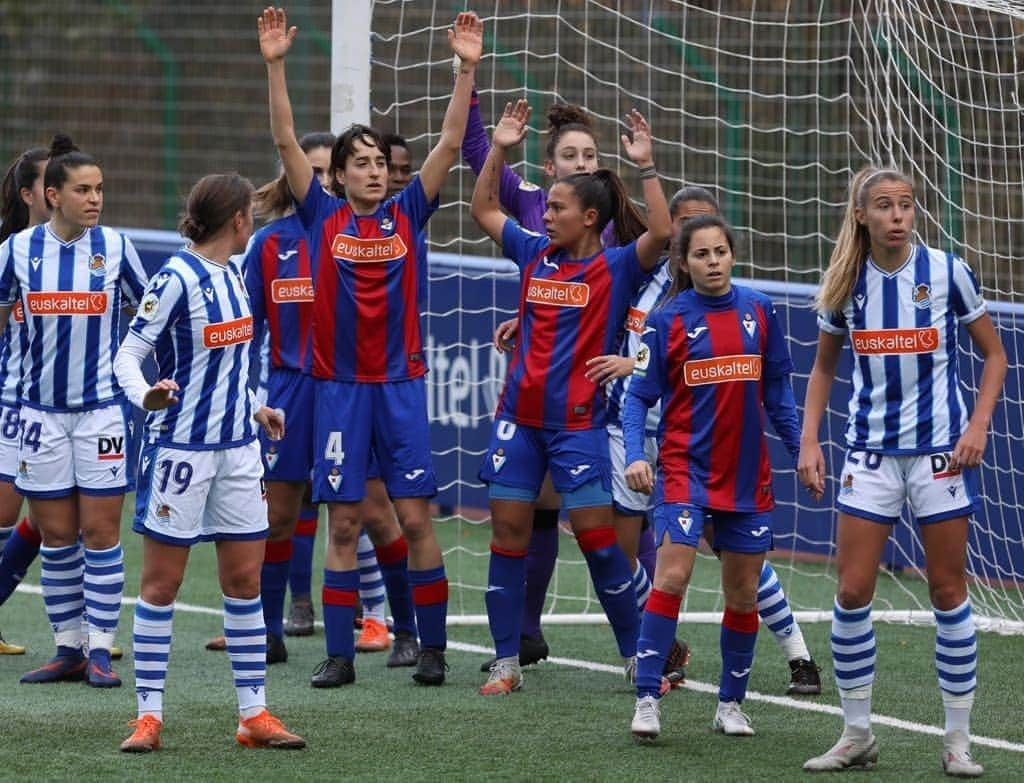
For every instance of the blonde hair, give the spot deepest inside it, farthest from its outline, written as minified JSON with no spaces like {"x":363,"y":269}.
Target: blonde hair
{"x":853,"y":243}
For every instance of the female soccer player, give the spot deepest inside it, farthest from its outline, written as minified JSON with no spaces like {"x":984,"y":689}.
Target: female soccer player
{"x":367,"y":348}
{"x":199,"y":469}
{"x":574,"y":296}
{"x":72,"y":278}
{"x":716,"y":359}
{"x":910,"y":440}
{"x":22,"y":204}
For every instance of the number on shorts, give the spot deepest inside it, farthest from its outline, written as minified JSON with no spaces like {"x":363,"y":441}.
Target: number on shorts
{"x":180,"y":474}
{"x":872,"y":460}
{"x":11,"y":425}
{"x":506,"y":430}
{"x":31,"y":435}
{"x":334,"y":452}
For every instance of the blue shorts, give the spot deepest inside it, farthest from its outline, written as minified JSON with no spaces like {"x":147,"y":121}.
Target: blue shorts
{"x":291,"y":458}
{"x":519,"y":456}
{"x":353,"y":422}
{"x":735,"y":531}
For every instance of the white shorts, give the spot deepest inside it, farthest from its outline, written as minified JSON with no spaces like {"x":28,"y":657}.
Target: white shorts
{"x":875,"y":486}
{"x":64,"y":451}
{"x":626,"y":500}
{"x":10,"y":437}
{"x":186,"y":496}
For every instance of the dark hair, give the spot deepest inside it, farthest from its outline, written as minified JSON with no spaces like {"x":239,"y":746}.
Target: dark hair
{"x":693,"y":193}
{"x":565,"y":118}
{"x":604,"y":191}
{"x":345,"y":147}
{"x":64,"y":155}
{"x":394,"y":140}
{"x":681,"y":246}
{"x":212,"y":202}
{"x":22,"y":174}
{"x":272,"y":199}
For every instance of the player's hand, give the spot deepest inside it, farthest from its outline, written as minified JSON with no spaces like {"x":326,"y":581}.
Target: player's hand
{"x":810,"y":468}
{"x":969,"y":449}
{"x":505,"y":335}
{"x":511,"y":128}
{"x":161,"y":395}
{"x":466,"y":37}
{"x":640,"y":477}
{"x":275,"y":35}
{"x":637,"y":143}
{"x":602,"y":369}
{"x":272,"y":421}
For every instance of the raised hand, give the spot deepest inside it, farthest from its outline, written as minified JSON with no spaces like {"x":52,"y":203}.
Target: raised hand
{"x":637,"y":143}
{"x":275,"y":35}
{"x":511,"y":128}
{"x":466,"y":37}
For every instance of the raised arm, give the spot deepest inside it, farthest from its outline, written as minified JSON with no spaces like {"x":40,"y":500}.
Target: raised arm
{"x":466,"y":39}
{"x":639,"y":148}
{"x":486,"y":204}
{"x":275,"y":41}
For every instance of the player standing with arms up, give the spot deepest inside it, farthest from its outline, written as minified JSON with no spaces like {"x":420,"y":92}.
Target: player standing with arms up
{"x":909,"y":441}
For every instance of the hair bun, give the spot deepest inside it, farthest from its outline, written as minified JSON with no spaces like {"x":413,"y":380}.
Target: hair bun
{"x":61,"y":145}
{"x":560,"y":115}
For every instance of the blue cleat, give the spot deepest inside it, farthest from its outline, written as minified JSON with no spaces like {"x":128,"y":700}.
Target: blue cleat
{"x":63,"y":667}
{"x":99,"y":674}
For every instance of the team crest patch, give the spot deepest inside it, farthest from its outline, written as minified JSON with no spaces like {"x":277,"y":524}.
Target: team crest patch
{"x":922,"y":296}
{"x":749,"y":324}
{"x":271,"y":457}
{"x":334,"y":479}
{"x":643,"y":360}
{"x":386,"y":223}
{"x":498,"y":459}
{"x":164,"y":512}
{"x":98,"y":265}
{"x":148,"y":306}
{"x":847,"y":485}
{"x":685,"y":521}
{"x":23,"y":469}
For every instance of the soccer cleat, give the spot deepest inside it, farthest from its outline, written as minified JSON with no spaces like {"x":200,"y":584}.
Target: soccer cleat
{"x":430,"y":667}
{"x":6,"y":648}
{"x":646,"y":724}
{"x":956,"y":756}
{"x":731,"y":720}
{"x":276,"y":651}
{"x":532,"y":649}
{"x":266,"y":731}
{"x":145,"y":738}
{"x":855,"y":748}
{"x":301,"y":620}
{"x":804,"y":678}
{"x":217,"y":644}
{"x":675,"y":663}
{"x":99,"y":674}
{"x":405,"y":652}
{"x":374,"y":636}
{"x":60,"y":668}
{"x":333,"y":672}
{"x":116,"y":653}
{"x":506,"y":676}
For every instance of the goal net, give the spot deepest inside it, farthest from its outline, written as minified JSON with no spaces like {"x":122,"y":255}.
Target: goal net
{"x":772,"y":105}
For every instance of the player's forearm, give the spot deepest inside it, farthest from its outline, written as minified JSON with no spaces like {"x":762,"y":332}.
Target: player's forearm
{"x":128,"y":368}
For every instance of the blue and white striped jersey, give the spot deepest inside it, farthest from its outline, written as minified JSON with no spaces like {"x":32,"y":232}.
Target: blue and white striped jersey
{"x":13,"y":342}
{"x":196,"y":313}
{"x":632,"y":342}
{"x":906,"y":396}
{"x":72,"y":294}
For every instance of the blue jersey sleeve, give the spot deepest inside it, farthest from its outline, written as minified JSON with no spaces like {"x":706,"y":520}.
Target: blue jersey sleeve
{"x":252,"y":269}
{"x":317,"y":206}
{"x":520,"y":245}
{"x":624,"y":265}
{"x":160,"y":307}
{"x":780,"y":405}
{"x":777,"y":361}
{"x":133,"y":273}
{"x":965,"y":293}
{"x":412,"y":201}
{"x":8,"y":280}
{"x":646,"y":387}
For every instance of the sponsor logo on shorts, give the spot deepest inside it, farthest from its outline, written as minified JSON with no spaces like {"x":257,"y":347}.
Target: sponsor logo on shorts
{"x":635,"y":320}
{"x":557,"y":292}
{"x":225,"y":333}
{"x":722,"y":369}
{"x":368,"y":250}
{"x":109,"y":447}
{"x":296,"y":289}
{"x":412,"y":475}
{"x":66,"y":302}
{"x":881,"y":342}
{"x":942,"y":466}
{"x":760,"y":531}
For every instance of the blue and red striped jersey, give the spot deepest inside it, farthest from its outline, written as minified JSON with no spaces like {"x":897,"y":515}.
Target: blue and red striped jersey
{"x":366,"y":323}
{"x":708,"y":360}
{"x":279,"y":279}
{"x":570,"y":310}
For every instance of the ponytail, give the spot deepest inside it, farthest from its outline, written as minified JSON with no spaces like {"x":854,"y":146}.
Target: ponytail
{"x":22,"y":175}
{"x":273,"y":199}
{"x":604,"y":191}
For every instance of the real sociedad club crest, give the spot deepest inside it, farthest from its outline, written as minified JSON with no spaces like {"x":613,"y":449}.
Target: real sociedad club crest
{"x":98,"y":265}
{"x":922,"y":296}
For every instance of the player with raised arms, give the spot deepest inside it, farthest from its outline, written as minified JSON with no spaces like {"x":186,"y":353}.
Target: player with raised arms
{"x":910,"y":440}
{"x":574,"y":295}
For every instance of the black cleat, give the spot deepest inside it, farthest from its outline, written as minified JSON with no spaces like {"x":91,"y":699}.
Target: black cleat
{"x":333,"y":672}
{"x":301,"y":620}
{"x":804,"y":679}
{"x":532,"y":649}
{"x":405,"y":651}
{"x":276,"y":651}
{"x":675,"y":663}
{"x":430,"y":667}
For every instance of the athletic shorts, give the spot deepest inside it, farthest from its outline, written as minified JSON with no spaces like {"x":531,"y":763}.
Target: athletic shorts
{"x":64,"y":451}
{"x":186,"y":496}
{"x":519,"y":456}
{"x":10,"y":438}
{"x":353,"y":422}
{"x":875,"y":486}
{"x":291,"y":458}
{"x":626,"y":500}
{"x":735,"y":531}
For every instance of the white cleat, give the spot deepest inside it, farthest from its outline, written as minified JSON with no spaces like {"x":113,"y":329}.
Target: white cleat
{"x":855,"y":748}
{"x":956,"y":757}
{"x":731,"y":720}
{"x":646,"y":724}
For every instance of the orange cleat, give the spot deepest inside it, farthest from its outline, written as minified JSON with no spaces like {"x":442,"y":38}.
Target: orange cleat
{"x":506,"y":676}
{"x":145,"y":738}
{"x":217,"y":644}
{"x":266,"y":731}
{"x":374,"y":636}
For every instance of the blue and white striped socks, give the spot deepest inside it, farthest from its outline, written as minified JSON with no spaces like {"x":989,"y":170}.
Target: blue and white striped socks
{"x":956,"y":660}
{"x":853,"y":655}
{"x":151,"y":647}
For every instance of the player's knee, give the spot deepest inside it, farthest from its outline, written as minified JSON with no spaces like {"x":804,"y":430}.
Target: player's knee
{"x":852,"y":597}
{"x":417,"y":529}
{"x":343,"y":532}
{"x":948,"y":595}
